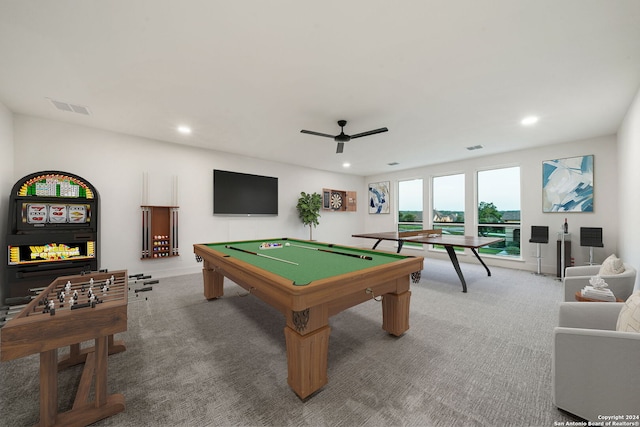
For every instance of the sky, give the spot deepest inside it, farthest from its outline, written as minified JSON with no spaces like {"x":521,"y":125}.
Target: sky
{"x":498,"y":186}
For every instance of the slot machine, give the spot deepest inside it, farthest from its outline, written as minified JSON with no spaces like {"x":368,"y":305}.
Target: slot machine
{"x":52,"y":232}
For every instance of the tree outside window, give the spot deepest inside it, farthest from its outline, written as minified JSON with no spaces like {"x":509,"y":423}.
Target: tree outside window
{"x":499,"y":210}
{"x":448,"y":203}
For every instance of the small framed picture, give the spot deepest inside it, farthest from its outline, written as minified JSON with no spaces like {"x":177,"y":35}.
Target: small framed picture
{"x":379,"y":198}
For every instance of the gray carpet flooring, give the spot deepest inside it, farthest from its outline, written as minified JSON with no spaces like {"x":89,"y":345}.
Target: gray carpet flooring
{"x":477,"y":359}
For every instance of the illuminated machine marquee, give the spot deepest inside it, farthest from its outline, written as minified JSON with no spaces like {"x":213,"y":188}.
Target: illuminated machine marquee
{"x":55,"y":185}
{"x":50,"y":252}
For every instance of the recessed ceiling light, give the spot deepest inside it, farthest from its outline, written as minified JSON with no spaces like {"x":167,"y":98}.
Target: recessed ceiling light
{"x":528,"y":121}
{"x":185,"y":130}
{"x":346,"y":165}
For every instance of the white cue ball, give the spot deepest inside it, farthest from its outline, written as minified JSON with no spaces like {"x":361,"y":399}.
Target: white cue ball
{"x":287,"y":244}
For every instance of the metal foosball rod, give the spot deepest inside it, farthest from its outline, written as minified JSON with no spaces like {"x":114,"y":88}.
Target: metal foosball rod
{"x":13,"y":301}
{"x":9,"y":312}
{"x":135,"y":278}
{"x":146,"y":286}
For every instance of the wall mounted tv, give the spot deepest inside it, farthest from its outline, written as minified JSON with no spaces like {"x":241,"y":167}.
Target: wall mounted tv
{"x":241,"y":194}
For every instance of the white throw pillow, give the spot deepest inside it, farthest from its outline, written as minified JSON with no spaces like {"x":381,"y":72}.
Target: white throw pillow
{"x":629,"y":317}
{"x":612,"y":265}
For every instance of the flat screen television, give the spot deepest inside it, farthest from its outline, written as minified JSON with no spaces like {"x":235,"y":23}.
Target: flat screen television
{"x":241,"y":194}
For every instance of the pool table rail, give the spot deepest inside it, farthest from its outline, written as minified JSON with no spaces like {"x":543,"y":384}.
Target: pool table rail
{"x":284,"y":295}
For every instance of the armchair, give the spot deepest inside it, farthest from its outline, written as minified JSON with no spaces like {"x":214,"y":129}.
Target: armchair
{"x":595,"y":369}
{"x":577,"y":278}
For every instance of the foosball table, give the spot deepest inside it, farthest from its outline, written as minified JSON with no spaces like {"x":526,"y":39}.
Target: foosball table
{"x":71,"y":310}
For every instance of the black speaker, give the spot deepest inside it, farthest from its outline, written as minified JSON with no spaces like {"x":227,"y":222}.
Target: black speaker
{"x":539,"y":234}
{"x":591,"y":236}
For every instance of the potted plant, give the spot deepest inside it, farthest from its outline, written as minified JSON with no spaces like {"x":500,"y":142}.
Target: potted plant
{"x":309,"y":210}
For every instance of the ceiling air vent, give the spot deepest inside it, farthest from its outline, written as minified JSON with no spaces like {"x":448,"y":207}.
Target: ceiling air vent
{"x":71,"y":108}
{"x":474,"y":147}
{"x":393,"y":164}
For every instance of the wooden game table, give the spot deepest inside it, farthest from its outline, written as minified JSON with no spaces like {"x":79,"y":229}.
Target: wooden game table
{"x":308,"y":282}
{"x":34,"y":330}
{"x":435,"y":237}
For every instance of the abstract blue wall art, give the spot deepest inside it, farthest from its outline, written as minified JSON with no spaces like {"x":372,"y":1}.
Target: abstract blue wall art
{"x":567,"y":185}
{"x":379,"y":198}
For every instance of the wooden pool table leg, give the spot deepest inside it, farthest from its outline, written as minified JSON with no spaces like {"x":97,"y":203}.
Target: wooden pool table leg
{"x":307,"y":338}
{"x":213,"y":281}
{"x":307,"y":360}
{"x":395,"y":313}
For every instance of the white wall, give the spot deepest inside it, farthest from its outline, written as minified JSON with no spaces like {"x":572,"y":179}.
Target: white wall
{"x":6,"y":182}
{"x":629,"y":172}
{"x":530,"y":162}
{"x":115,"y":164}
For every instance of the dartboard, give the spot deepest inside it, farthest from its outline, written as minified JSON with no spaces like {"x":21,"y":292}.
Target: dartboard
{"x":336,"y":201}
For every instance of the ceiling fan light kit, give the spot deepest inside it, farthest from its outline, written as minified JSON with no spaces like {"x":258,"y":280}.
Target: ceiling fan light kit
{"x":342,"y":137}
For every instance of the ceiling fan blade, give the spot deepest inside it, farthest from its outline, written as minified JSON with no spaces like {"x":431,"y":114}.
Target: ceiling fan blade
{"x":371,"y":132}
{"x":310,"y":132}
{"x":340,"y":147}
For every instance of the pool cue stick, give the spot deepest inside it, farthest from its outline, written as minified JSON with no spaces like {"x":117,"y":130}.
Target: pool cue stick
{"x":262,"y":255}
{"x":334,"y":252}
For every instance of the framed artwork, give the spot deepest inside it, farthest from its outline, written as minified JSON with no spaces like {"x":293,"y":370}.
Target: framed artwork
{"x":379,"y":198}
{"x":567,"y":184}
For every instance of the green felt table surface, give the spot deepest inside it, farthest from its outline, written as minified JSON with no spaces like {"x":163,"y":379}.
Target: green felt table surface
{"x":312,"y":263}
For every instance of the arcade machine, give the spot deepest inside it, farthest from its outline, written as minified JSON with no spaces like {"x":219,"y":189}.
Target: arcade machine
{"x":52,"y":232}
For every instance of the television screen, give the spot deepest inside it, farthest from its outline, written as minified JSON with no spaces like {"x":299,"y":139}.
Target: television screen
{"x":242,"y":194}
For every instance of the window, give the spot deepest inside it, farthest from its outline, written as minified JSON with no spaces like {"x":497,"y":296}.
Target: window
{"x":448,"y":204}
{"x":410,"y":206}
{"x":499,"y":210}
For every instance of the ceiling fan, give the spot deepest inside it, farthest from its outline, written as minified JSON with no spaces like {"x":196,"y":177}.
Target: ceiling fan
{"x":342,"y":138}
